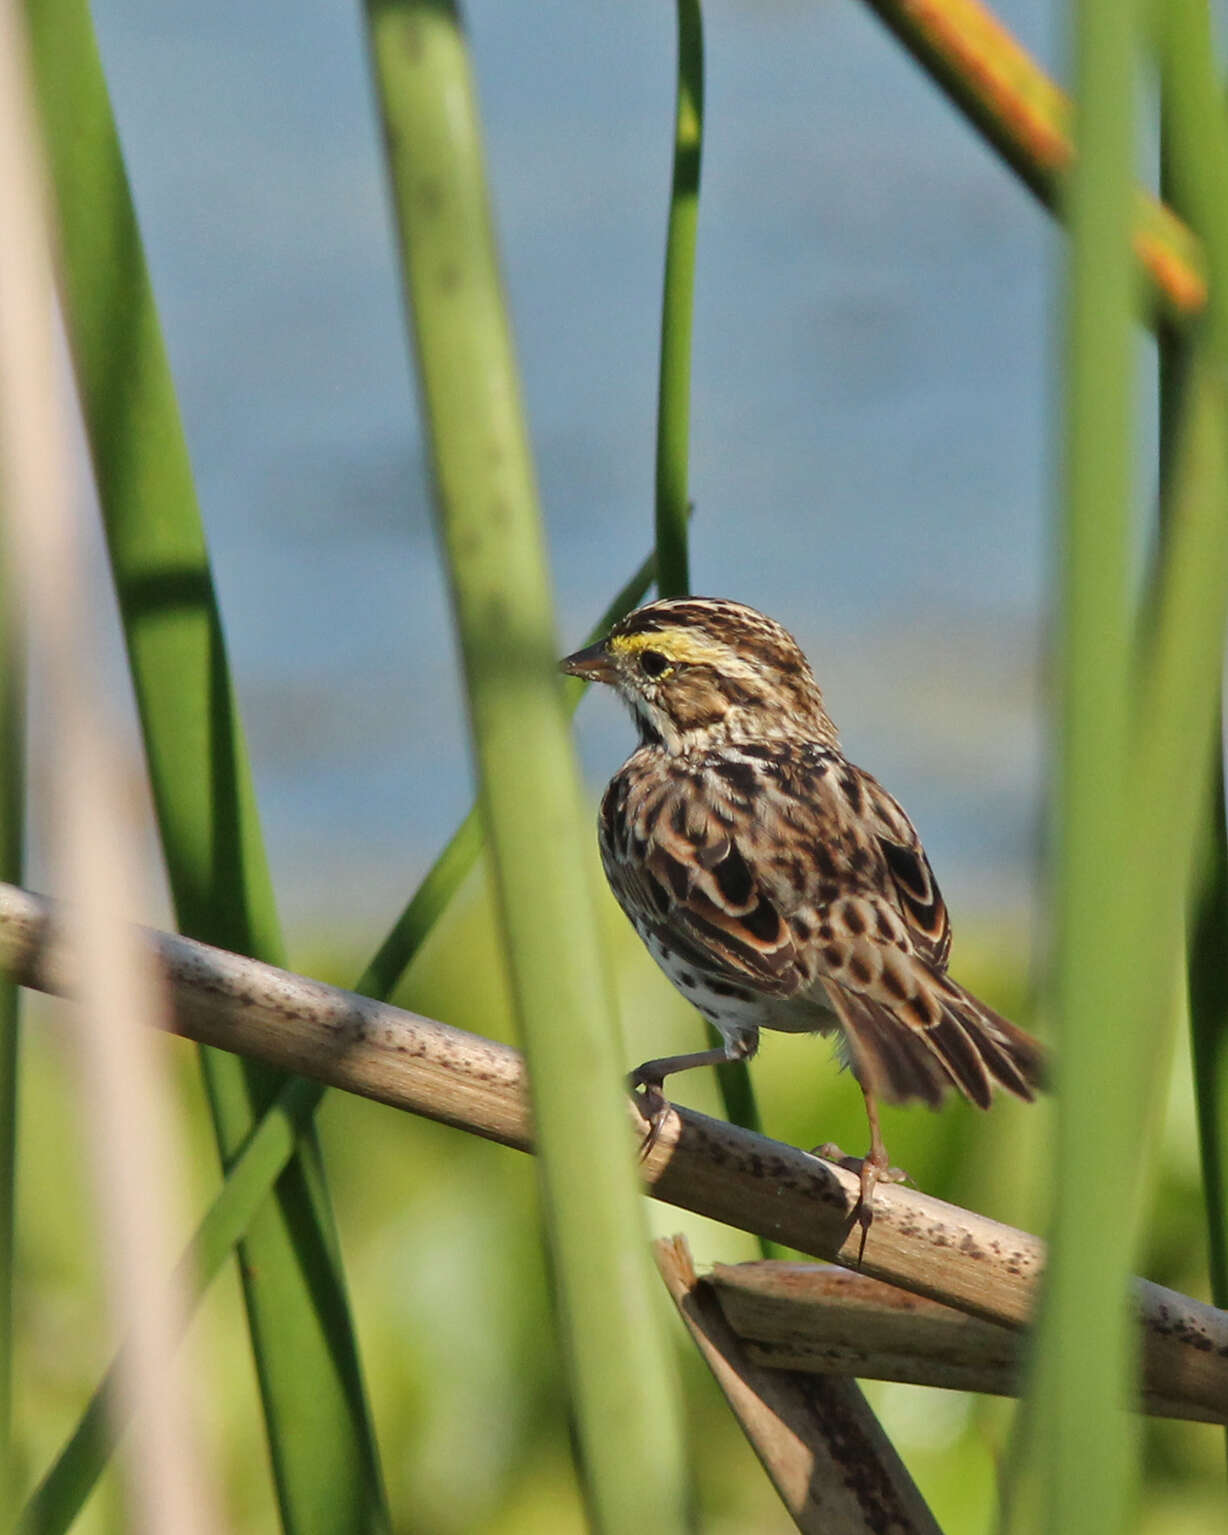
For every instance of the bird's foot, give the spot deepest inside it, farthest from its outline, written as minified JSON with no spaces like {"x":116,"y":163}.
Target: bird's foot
{"x":871,"y":1171}
{"x":653,"y":1107}
{"x":830,"y":1152}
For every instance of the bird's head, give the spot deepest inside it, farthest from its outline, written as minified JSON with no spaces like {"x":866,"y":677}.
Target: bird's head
{"x":701,"y":670}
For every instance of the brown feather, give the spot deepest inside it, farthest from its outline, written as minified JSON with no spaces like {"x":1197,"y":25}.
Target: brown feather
{"x":918,"y":898}
{"x":891,"y":1062}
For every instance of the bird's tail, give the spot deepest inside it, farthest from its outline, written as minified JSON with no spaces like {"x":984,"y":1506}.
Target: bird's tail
{"x":961,"y":1043}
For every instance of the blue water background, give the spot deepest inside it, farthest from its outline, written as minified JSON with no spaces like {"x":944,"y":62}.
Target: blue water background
{"x":873,"y":416}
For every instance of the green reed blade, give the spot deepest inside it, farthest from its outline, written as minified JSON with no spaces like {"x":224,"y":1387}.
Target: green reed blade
{"x":1207,"y":935}
{"x":1209,"y":1028}
{"x":677,"y":310}
{"x":1083,"y":1351}
{"x":674,"y":397}
{"x":622,"y":1390}
{"x":1185,"y":660}
{"x":1126,"y":872}
{"x":323,"y":1449}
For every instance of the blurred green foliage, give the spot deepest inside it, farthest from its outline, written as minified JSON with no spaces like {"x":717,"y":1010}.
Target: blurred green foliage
{"x":439,"y":1232}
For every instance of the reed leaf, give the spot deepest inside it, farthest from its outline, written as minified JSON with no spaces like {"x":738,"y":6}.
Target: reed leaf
{"x":1186,"y":672}
{"x":677,"y":310}
{"x":622,"y":1390}
{"x":323,"y":1448}
{"x":1130,"y":854}
{"x":1209,"y":1028}
{"x":1208,"y":925}
{"x":1084,"y":1358}
{"x":674,"y":399}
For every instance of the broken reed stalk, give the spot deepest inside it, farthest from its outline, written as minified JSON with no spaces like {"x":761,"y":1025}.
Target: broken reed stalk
{"x":822,"y":1319}
{"x":825,"y":1452}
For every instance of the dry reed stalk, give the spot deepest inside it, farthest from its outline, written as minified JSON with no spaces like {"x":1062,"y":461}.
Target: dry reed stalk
{"x":94,"y":834}
{"x":920,"y":1244}
{"x":826,"y":1453}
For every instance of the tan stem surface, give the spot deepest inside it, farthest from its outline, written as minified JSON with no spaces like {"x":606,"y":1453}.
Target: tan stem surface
{"x":822,"y":1319}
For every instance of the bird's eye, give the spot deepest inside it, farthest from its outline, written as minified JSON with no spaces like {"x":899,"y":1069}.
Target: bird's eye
{"x":652,"y":663}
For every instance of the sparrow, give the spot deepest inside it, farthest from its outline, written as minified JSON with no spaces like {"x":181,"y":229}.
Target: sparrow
{"x":778,"y":885}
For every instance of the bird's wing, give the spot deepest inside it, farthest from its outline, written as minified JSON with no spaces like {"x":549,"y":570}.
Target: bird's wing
{"x":918,"y":899}
{"x":789,"y":895}
{"x":880,"y":952}
{"x":667,"y":854}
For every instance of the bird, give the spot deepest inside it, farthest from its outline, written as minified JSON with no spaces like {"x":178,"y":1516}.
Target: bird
{"x":778,"y":885}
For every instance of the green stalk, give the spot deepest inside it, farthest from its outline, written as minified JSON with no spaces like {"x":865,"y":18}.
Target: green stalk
{"x":1139,"y":882}
{"x":12,"y":814}
{"x":1179,"y":777}
{"x":1178,"y":766}
{"x":623,"y":1394}
{"x":1207,"y":938}
{"x":1195,"y":145}
{"x":1180,"y":671}
{"x":251,"y":1175}
{"x":1084,"y":1352}
{"x":674,"y":397}
{"x":677,"y":310}
{"x":1209,"y":1028}
{"x":320,"y":1436}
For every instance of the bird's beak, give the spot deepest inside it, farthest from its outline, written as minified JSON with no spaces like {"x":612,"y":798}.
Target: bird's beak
{"x":594,"y":664}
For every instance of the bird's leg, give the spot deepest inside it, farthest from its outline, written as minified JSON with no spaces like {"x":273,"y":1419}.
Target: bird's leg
{"x":872,"y":1169}
{"x":873,"y":1165}
{"x":650,"y":1077}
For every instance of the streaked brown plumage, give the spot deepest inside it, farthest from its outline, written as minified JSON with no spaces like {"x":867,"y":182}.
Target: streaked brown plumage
{"x":776,"y":884}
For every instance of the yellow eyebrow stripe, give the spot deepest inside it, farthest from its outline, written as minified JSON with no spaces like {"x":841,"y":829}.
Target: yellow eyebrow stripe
{"x":674,"y":644}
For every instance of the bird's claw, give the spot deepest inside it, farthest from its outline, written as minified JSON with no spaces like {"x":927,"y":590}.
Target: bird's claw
{"x":871,"y":1171}
{"x":653,"y":1108}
